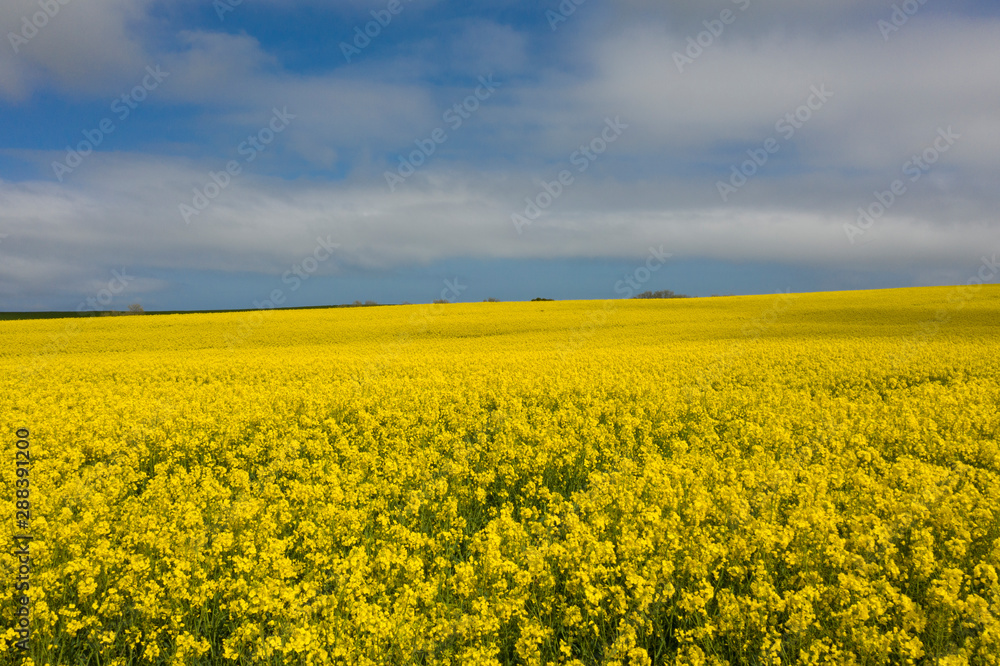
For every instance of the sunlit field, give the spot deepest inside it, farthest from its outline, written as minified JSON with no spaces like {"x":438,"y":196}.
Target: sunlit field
{"x":775,"y":479}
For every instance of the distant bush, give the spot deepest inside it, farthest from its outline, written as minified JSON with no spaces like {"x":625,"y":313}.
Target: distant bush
{"x":491,"y":300}
{"x":136,"y":309}
{"x":665,"y":293}
{"x":540,"y":299}
{"x":440,"y":301}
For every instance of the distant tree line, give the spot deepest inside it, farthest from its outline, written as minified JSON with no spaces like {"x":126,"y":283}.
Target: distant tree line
{"x":663,"y":293}
{"x":134,"y":309}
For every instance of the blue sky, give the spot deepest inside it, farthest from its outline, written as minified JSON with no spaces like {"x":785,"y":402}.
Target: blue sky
{"x":216,"y":154}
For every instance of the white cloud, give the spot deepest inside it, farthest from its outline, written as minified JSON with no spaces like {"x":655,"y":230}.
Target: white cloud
{"x":657,"y":185}
{"x":88,"y":47}
{"x":126,"y":212}
{"x":888,"y":100}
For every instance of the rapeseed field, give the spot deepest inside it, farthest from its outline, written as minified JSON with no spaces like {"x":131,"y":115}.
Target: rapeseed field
{"x":787,"y":479}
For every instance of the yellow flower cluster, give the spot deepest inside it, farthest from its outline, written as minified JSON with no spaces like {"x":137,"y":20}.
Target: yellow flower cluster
{"x":801,"y":479}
